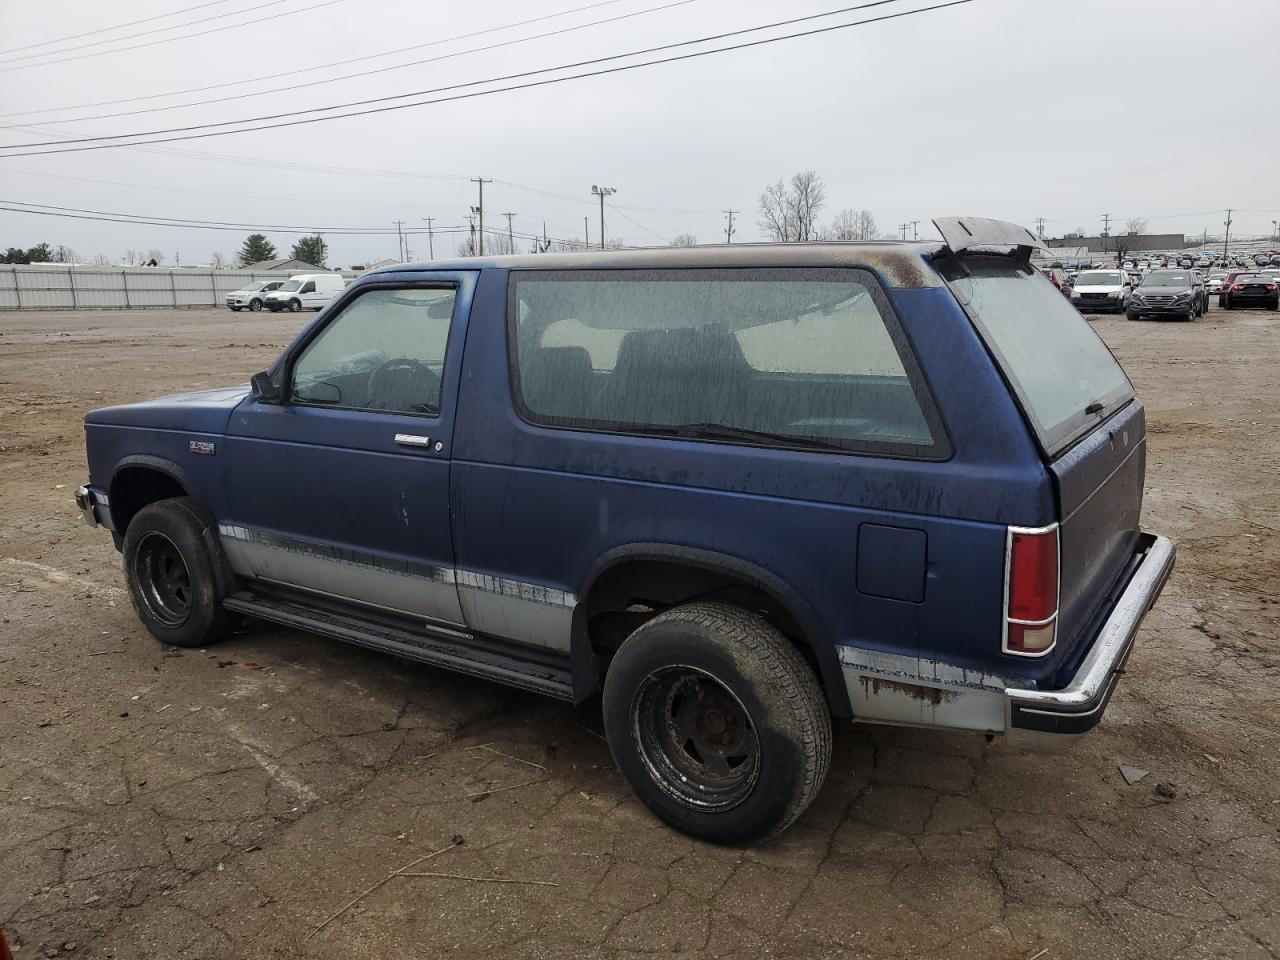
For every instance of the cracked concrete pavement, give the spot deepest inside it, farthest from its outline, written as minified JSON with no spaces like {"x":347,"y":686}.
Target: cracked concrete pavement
{"x":227,"y":802}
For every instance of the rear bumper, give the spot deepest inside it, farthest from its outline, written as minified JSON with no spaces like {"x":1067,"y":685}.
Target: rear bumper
{"x":1078,"y":707}
{"x":915,"y":691}
{"x":94,"y":506}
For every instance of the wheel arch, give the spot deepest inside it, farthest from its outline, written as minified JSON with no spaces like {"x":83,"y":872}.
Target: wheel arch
{"x":140,"y":480}
{"x":788,"y":610}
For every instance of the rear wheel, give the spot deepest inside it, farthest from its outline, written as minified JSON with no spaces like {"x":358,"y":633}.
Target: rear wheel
{"x":170,"y":574}
{"x":717,"y":722}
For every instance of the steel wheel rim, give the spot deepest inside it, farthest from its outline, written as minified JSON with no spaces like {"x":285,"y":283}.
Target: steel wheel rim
{"x":163,"y":579}
{"x":695,"y":738}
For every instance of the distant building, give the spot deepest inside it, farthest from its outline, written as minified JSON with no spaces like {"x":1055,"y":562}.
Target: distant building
{"x":374,"y":265}
{"x":293,"y":266}
{"x":1134,"y":243}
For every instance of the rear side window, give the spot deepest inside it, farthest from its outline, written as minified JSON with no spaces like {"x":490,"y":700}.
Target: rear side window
{"x":794,"y":358}
{"x":1065,"y":377}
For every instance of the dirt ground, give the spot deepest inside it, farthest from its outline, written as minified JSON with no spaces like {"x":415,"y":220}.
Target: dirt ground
{"x":227,"y":803}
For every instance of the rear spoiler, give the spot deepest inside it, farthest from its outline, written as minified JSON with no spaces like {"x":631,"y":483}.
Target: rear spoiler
{"x":973,"y":234}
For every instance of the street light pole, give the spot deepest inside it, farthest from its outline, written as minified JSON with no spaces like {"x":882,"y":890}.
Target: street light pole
{"x":602,"y":192}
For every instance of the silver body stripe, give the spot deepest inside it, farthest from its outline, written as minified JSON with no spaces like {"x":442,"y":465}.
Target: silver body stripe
{"x":514,"y":610}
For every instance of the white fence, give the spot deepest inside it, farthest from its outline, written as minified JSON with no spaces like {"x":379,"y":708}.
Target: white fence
{"x":60,"y":287}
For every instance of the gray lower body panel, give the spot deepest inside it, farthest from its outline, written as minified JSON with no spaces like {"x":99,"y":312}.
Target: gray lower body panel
{"x":514,"y":610}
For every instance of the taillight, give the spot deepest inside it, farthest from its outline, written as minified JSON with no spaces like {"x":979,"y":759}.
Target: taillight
{"x":1238,"y":286}
{"x":1031,"y":591}
{"x":1271,"y":286}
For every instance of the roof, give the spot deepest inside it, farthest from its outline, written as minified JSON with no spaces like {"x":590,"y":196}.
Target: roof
{"x":298,"y":266}
{"x":902,"y":264}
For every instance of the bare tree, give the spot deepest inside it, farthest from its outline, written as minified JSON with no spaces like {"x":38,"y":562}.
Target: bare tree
{"x":218,"y":259}
{"x":132,"y":258}
{"x":1136,"y":226}
{"x":774,"y":219}
{"x":808,"y":195}
{"x":788,"y":211}
{"x":852,"y":225}
{"x":101,"y":260}
{"x":684,"y":240}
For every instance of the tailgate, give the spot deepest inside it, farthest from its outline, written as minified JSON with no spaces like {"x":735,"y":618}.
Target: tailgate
{"x":1099,"y":487}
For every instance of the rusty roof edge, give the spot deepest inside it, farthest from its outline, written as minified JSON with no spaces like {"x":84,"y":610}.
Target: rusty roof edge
{"x":900,"y":265}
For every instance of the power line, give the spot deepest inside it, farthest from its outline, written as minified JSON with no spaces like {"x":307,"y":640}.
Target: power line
{"x":366,"y":73}
{"x":637,"y":223}
{"x":187,"y":135}
{"x":185,"y":36}
{"x":44,"y":209}
{"x":118,"y":26}
{"x":147,"y":33}
{"x":322,"y":66}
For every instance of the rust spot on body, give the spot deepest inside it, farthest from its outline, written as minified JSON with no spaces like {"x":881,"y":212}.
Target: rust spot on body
{"x":932,"y":695}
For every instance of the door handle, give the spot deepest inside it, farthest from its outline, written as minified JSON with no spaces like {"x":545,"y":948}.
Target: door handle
{"x":412,"y":440}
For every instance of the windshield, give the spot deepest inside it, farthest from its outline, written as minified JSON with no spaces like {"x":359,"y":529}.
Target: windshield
{"x":290,"y":285}
{"x":1061,"y":371}
{"x":1100,"y":279}
{"x":1167,"y":280}
{"x":253,"y":287}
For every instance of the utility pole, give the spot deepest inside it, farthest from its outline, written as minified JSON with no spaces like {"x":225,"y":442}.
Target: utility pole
{"x":586,"y":234}
{"x":431,"y":244}
{"x":400,"y":237}
{"x":602,"y":192}
{"x":511,"y":237}
{"x":1226,"y":240}
{"x":1039,"y":226}
{"x":902,"y":229}
{"x":480,"y":211}
{"x":1106,"y":230}
{"x":471,"y":224}
{"x":729,"y":231}
{"x":915,"y":234}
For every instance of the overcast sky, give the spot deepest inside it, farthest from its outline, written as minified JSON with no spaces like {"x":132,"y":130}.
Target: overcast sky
{"x":1014,"y":109}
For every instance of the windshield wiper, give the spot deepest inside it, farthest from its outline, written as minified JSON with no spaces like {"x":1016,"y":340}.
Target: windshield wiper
{"x":723,"y":431}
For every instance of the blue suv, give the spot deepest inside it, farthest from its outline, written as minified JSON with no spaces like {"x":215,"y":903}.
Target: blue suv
{"x":735,"y":491}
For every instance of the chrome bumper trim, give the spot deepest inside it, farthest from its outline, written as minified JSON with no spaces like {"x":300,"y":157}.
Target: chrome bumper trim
{"x":1078,"y":706}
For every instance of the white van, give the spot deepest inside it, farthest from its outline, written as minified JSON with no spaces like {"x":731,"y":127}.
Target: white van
{"x":311,"y":291}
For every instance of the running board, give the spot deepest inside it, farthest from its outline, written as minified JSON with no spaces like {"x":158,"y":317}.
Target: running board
{"x":489,"y":660}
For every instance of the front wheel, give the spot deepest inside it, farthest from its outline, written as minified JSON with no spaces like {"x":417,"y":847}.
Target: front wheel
{"x":717,"y":723}
{"x":295,"y":306}
{"x":235,"y":309}
{"x":170,"y":573}
{"x":1133,"y":315}
{"x":255,"y":305}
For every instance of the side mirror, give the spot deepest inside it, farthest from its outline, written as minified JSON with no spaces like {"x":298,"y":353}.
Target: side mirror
{"x":264,"y":389}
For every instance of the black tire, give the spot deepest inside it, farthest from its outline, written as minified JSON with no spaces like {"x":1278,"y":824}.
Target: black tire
{"x":740,"y":690}
{"x":170,"y":574}
{"x":235,"y":309}
{"x":1192,"y":313}
{"x":295,"y":306}
{"x":1133,"y":315}
{"x":255,"y":305}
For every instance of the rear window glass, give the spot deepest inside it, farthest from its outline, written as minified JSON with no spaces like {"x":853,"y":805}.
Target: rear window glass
{"x":1065,"y":377}
{"x":783,"y":357}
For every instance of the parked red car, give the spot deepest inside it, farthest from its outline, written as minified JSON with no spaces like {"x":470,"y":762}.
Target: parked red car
{"x":1059,"y":279}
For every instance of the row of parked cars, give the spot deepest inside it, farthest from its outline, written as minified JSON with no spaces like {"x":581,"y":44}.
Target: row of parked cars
{"x":306,"y":291}
{"x":1179,"y":293}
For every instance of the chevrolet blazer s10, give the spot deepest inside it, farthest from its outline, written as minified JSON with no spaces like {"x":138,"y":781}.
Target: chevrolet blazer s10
{"x":737,"y":491}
